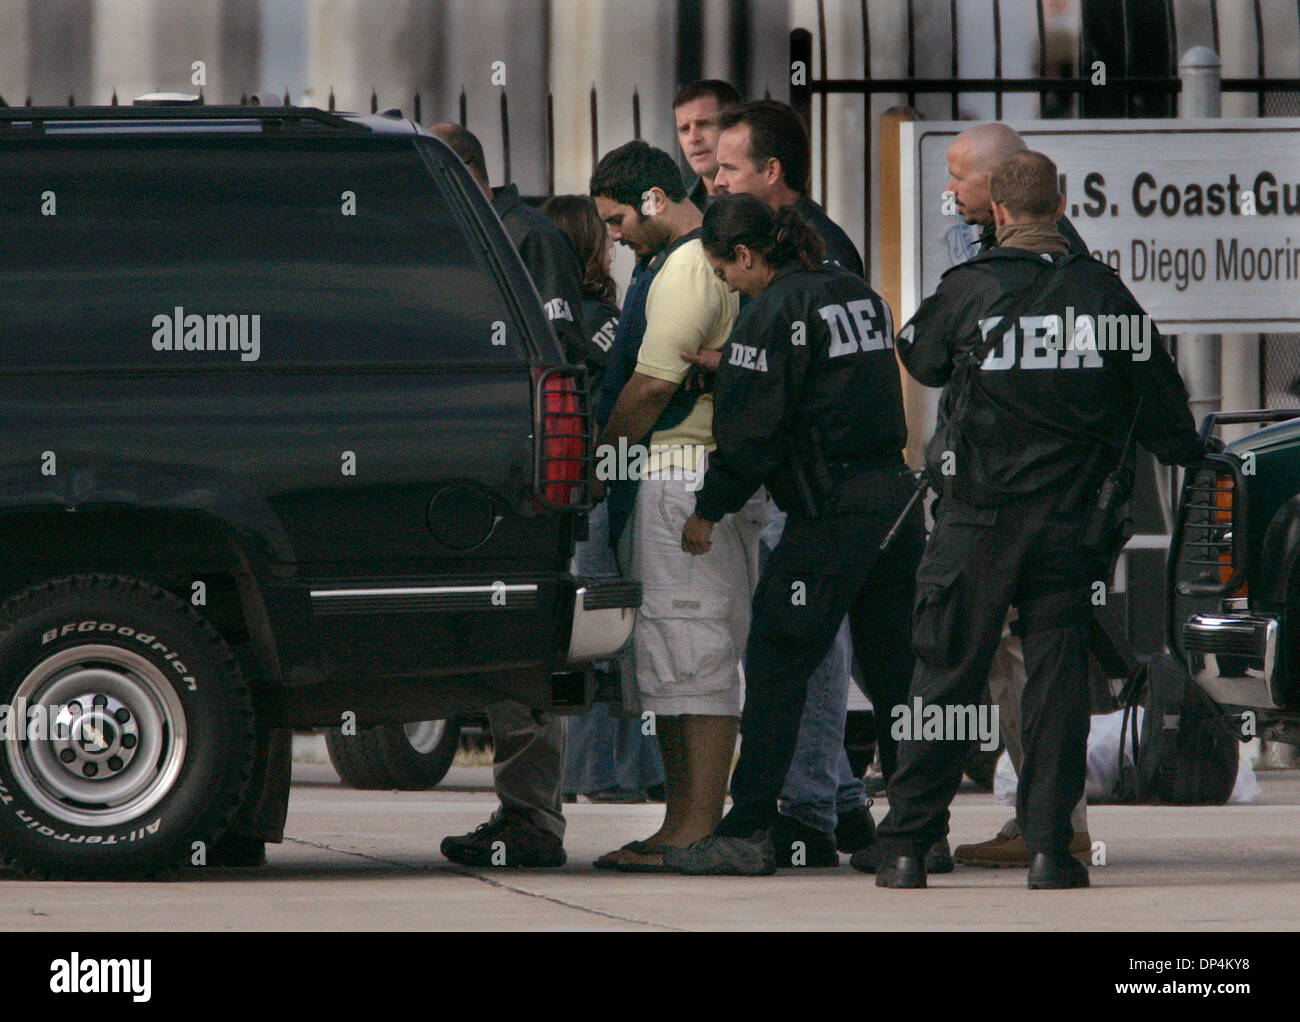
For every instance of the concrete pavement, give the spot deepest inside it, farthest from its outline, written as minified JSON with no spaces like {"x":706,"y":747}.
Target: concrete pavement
{"x":369,"y":861}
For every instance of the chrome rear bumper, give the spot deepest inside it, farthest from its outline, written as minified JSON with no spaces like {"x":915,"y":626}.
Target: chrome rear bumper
{"x":604,"y":612}
{"x":1234,"y":657}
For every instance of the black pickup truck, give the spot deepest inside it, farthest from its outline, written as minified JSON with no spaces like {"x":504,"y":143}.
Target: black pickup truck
{"x":1234,"y":575}
{"x":288,"y":443}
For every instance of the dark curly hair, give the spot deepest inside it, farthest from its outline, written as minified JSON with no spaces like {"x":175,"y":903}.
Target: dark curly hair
{"x":781,"y":238}
{"x":625,"y":174}
{"x":577,"y":217}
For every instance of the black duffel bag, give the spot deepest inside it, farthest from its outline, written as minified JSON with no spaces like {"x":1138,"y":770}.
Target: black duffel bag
{"x":1187,"y":754}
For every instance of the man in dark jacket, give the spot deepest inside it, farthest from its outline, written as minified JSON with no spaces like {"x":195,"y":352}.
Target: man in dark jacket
{"x":972,"y":155}
{"x":1048,"y":362}
{"x":529,"y":744}
{"x":764,"y":151}
{"x":696,"y":109}
{"x":545,"y":250}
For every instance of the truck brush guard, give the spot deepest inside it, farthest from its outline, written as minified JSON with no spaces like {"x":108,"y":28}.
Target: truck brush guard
{"x":1231,"y":652}
{"x":1209,"y":529}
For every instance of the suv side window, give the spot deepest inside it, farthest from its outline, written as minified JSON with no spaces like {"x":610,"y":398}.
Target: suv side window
{"x":160,"y":250}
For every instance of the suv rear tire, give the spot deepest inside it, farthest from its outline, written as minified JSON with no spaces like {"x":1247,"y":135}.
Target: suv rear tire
{"x":149,"y":735}
{"x":401,"y":757}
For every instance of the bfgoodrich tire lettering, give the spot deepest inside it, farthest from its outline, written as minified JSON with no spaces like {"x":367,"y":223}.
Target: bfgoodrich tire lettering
{"x":155,"y":740}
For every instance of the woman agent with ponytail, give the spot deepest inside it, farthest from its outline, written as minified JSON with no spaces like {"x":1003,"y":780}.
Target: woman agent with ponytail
{"x":808,"y":402}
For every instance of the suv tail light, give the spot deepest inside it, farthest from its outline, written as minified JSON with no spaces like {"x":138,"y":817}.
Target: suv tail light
{"x":563,"y":437}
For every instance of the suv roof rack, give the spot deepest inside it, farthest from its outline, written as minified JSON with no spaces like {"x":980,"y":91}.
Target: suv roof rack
{"x":271,"y":117}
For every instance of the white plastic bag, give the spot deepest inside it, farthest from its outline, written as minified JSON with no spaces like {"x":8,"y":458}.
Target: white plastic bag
{"x":1004,"y":781}
{"x":1246,"y":788}
{"x":1103,"y":753}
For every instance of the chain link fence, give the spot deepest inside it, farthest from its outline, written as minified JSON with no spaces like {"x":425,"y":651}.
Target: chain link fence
{"x":1280,"y":371}
{"x":1279,"y":377}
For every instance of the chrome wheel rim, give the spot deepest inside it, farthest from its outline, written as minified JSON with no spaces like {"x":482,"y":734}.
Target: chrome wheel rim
{"x":424,"y":735}
{"x":115,"y":736}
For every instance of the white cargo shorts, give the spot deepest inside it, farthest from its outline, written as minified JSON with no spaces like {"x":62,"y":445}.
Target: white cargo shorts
{"x":694,"y":619}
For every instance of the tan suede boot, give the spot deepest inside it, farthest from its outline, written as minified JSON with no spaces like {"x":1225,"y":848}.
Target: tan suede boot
{"x":1005,"y":852}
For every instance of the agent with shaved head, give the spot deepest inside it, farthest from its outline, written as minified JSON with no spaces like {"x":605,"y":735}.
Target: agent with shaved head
{"x":972,"y":155}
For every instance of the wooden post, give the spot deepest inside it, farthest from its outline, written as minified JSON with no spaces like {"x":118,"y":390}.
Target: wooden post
{"x":891,"y":263}
{"x":891,"y":212}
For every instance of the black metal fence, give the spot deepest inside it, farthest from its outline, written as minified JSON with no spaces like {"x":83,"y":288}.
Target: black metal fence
{"x":503,"y":117}
{"x":415,"y":111}
{"x":1138,"y":41}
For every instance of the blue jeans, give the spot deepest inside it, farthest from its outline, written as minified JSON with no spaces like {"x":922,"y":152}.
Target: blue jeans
{"x":821,"y":783}
{"x":604,"y":751}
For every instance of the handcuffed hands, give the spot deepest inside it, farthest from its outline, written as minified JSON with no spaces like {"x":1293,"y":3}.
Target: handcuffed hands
{"x":695,"y":535}
{"x":703,"y":363}
{"x":706,"y":358}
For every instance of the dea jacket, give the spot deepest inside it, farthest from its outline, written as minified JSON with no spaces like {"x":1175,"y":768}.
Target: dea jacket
{"x":1045,"y":412}
{"x":552,"y":264}
{"x":809,"y":373}
{"x":599,"y":321}
{"x":839,"y":248}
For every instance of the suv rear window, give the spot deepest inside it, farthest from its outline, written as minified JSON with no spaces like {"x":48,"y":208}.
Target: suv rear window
{"x":160,"y":251}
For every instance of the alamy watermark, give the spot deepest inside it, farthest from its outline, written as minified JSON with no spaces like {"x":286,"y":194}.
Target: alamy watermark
{"x":180,"y":331}
{"x":1130,"y":333}
{"x":935,"y":722}
{"x":39,"y":722}
{"x":77,"y":975}
{"x":1064,"y":342}
{"x":632,"y":462}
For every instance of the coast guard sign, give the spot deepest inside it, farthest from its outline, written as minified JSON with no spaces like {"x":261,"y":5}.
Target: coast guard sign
{"x":1200,"y":217}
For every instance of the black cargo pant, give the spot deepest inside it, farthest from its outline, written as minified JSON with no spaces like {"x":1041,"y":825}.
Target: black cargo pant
{"x":822,"y":569}
{"x":979,"y":561}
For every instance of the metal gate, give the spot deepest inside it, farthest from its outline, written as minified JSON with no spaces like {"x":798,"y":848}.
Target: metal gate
{"x":1138,"y":37}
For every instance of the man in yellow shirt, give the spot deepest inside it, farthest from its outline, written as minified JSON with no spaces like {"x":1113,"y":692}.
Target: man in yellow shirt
{"x":694,"y":618}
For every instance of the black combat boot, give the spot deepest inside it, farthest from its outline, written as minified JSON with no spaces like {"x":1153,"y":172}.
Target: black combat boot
{"x":902,"y":871}
{"x":1056,"y":871}
{"x":855,"y":829}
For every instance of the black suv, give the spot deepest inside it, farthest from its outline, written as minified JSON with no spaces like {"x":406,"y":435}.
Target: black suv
{"x":288,"y":443}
